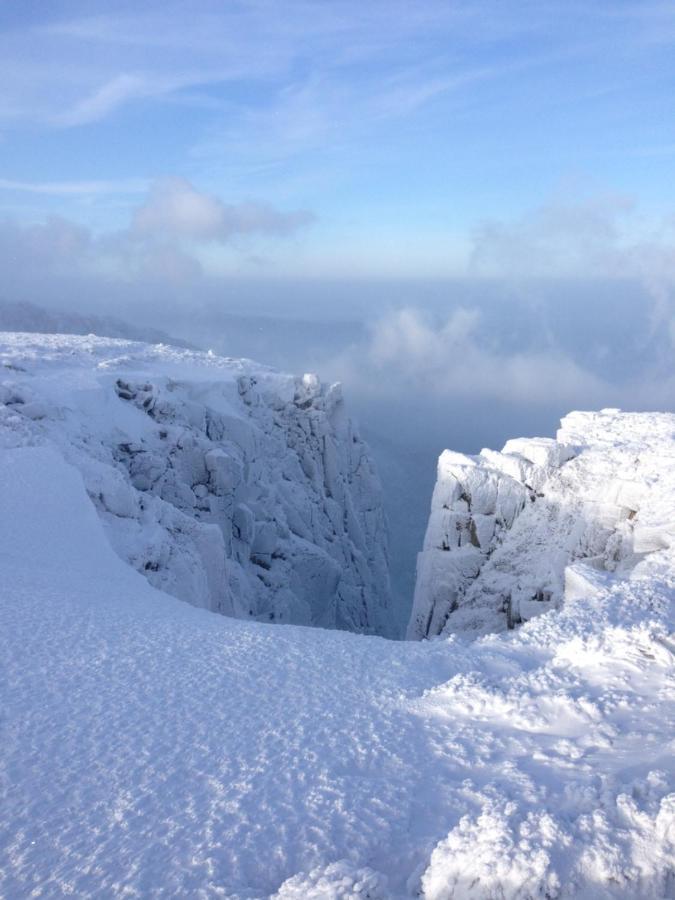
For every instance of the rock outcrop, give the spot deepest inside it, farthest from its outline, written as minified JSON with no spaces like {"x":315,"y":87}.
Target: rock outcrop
{"x":504,"y":526}
{"x":229,"y":485}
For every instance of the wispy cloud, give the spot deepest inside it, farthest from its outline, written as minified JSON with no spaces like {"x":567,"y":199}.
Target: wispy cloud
{"x":110,"y":96}
{"x":77,"y":188}
{"x":100,"y":61}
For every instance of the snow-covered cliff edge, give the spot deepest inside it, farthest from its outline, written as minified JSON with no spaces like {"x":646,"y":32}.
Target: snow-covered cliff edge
{"x":504,"y":526}
{"x":227,"y":484}
{"x":152,"y":748}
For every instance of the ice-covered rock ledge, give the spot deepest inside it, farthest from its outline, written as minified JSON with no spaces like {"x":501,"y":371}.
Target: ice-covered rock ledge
{"x":504,"y":526}
{"x":227,"y":484}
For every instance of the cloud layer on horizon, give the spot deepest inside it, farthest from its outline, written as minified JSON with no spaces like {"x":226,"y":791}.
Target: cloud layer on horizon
{"x":163,"y":239}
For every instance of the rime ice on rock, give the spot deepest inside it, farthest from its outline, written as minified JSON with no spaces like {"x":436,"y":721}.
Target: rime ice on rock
{"x":503,"y":526}
{"x":229,"y":485}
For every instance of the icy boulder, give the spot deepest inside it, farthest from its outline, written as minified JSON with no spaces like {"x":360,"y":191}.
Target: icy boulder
{"x":504,"y":526}
{"x":229,"y":485}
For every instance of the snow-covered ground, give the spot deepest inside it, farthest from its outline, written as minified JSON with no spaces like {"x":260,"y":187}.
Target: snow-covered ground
{"x":149,"y":748}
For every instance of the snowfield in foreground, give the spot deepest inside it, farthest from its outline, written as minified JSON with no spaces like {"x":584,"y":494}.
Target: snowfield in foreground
{"x":151,"y":748}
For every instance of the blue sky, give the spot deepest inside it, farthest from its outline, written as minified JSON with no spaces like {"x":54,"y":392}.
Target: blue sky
{"x":340,"y":138}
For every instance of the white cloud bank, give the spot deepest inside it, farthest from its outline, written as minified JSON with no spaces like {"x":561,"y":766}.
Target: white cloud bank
{"x":599,"y":235}
{"x":175,"y":209}
{"x":449,"y":359}
{"x":163,"y":239}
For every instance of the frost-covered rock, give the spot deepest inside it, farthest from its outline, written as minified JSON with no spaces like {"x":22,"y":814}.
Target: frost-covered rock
{"x":229,"y":485}
{"x":504,"y":526}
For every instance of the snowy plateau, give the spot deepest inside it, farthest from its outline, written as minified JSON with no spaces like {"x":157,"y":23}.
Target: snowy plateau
{"x":521,"y":749}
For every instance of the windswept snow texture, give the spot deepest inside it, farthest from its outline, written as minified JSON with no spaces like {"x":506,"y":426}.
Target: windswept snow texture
{"x":226,"y":484}
{"x":504,"y":526}
{"x":149,"y":748}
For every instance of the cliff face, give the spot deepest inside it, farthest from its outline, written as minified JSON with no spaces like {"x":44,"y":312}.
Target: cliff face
{"x":227,"y":484}
{"x":503,"y":526}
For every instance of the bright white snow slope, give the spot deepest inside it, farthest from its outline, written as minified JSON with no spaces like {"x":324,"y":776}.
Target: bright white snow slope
{"x":150,"y":748}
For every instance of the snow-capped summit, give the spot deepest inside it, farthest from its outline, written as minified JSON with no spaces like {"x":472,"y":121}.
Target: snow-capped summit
{"x":225,"y":483}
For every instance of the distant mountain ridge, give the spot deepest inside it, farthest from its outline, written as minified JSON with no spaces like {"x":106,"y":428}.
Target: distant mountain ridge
{"x":24,"y":316}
